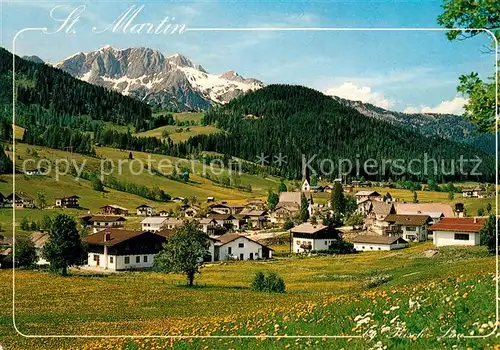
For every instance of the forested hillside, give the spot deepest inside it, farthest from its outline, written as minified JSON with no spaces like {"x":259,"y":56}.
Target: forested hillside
{"x":294,"y":120}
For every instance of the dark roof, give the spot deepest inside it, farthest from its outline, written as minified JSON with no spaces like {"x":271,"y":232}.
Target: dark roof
{"x":143,"y":206}
{"x":68,"y":197}
{"x":107,"y":218}
{"x":411,"y":220}
{"x":218,"y":216}
{"x":229,"y":237}
{"x":116,"y":236}
{"x":378,"y":239}
{"x":459,"y":224}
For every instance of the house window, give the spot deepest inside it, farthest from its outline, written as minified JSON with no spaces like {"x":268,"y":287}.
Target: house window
{"x":241,"y":245}
{"x":137,"y":259}
{"x":96,"y":257}
{"x":298,"y":242}
{"x":127,"y":260}
{"x":379,"y":248}
{"x":111,"y":260}
{"x":411,"y":228}
{"x":145,"y":259}
{"x":229,"y":250}
{"x":326,"y":242}
{"x":461,"y":236}
{"x":363,"y":247}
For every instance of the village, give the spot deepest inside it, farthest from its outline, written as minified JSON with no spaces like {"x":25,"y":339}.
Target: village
{"x":238,"y":231}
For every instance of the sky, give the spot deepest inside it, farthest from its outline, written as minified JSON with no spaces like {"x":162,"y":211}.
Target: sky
{"x":411,"y":71}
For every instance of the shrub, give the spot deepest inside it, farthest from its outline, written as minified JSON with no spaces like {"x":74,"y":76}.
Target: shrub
{"x":288,"y":225}
{"x":271,"y":283}
{"x":258,"y":283}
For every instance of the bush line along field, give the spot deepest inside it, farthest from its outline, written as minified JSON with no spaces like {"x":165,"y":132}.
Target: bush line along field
{"x":402,"y":299}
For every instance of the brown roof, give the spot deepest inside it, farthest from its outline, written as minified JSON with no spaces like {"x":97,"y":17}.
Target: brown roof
{"x":68,"y":197}
{"x":307,"y":227}
{"x":217,"y":216}
{"x":368,"y":193}
{"x":425,"y":208}
{"x":378,"y":239}
{"x":39,"y":238}
{"x":409,"y":220}
{"x":116,"y":236}
{"x":167,"y":233}
{"x":229,"y":237}
{"x":107,"y":218}
{"x":290,"y":197}
{"x":379,"y":207}
{"x":459,"y":224}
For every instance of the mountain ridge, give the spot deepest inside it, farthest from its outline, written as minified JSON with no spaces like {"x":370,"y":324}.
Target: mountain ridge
{"x":172,"y":82}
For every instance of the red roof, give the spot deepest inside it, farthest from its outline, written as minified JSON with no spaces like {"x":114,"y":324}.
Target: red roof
{"x":459,"y":224}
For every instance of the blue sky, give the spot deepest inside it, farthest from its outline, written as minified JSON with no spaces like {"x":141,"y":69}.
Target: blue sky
{"x":410,"y":71}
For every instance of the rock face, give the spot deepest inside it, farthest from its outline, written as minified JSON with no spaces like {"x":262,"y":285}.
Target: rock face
{"x":170,"y":82}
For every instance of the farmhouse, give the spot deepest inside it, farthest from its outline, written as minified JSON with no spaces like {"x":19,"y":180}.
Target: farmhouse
{"x":376,"y":243}
{"x":457,"y":231}
{"x":367,"y":195}
{"x":228,"y":221}
{"x":100,"y":222}
{"x":171,"y":223}
{"x":19,"y":201}
{"x":154,"y":223}
{"x":145,"y":210}
{"x":113,"y":209}
{"x":254,"y":218}
{"x":35,"y":172}
{"x":307,"y":237}
{"x":115,"y":249}
{"x":39,"y":239}
{"x":475,"y":192}
{"x":434,"y":210}
{"x":209,"y":225}
{"x":226,"y":208}
{"x":68,"y":202}
{"x":237,"y":247}
{"x":377,"y":212}
{"x":412,"y":228}
{"x":164,"y":213}
{"x":191,"y":211}
{"x":256,"y":204}
{"x":289,"y":206}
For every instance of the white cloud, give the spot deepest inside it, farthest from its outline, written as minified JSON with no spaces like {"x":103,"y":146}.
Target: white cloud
{"x":455,"y":106}
{"x":365,"y":94}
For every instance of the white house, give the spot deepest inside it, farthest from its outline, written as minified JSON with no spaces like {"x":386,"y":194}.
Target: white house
{"x":306,"y":237}
{"x":145,"y":210}
{"x":154,"y":223}
{"x":306,"y":186}
{"x":365,"y":195}
{"x":413,"y":228}
{"x":237,"y":247}
{"x":376,"y":243}
{"x":457,"y":231}
{"x":118,"y":249}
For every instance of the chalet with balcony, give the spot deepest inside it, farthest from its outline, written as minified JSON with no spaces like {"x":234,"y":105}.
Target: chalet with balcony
{"x":306,"y":237}
{"x":413,"y":228}
{"x":68,"y":202}
{"x":113,"y":209}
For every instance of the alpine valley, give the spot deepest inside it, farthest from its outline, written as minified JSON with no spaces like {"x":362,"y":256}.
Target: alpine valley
{"x":177,"y":84}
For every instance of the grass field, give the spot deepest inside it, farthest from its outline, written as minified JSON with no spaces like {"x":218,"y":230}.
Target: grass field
{"x":198,"y":186}
{"x":180,"y":133}
{"x":371,"y":294}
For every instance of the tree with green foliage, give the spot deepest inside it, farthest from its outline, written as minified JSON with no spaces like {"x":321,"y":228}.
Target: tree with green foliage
{"x":314,"y":180}
{"x":488,"y":234}
{"x":272,"y":200}
{"x":64,"y":247}
{"x":480,"y":211}
{"x":451,"y":196}
{"x":46,"y":223}
{"x":481,"y":94}
{"x":288,"y":225}
{"x":304,"y":208}
{"x":97,"y":184}
{"x":488,"y":208}
{"x":41,"y":201}
{"x":415,"y":197}
{"x":282,"y":187}
{"x":354,"y":220}
{"x":25,"y":253}
{"x":185,"y":250}
{"x":25,"y":224}
{"x":271,"y":283}
{"x":259,"y":282}
{"x":337,"y":200}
